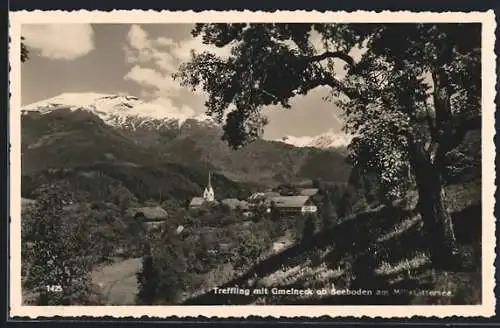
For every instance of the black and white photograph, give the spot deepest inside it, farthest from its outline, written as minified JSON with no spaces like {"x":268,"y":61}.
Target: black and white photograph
{"x":194,"y":161}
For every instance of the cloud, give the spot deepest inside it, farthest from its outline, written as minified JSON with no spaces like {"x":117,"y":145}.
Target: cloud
{"x":153,"y":65}
{"x":164,"y":54}
{"x":150,"y":78}
{"x":138,"y":38}
{"x":59,"y":41}
{"x":182,"y":50}
{"x":161,"y":41}
{"x":164,"y":107}
{"x":153,"y":61}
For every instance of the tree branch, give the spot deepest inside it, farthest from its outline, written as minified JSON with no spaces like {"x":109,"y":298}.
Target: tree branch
{"x":329,"y":54}
{"x":338,"y":85}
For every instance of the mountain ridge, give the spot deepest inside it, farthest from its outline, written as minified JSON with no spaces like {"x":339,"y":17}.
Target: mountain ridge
{"x":130,"y":112}
{"x":72,"y":132}
{"x":329,"y":139}
{"x":116,"y":110}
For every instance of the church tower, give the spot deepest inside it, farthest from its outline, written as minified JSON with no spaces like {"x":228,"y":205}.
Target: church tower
{"x":208,"y":193}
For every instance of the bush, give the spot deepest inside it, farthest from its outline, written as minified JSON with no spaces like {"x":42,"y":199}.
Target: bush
{"x":55,"y":252}
{"x":252,"y":243}
{"x":309,"y":228}
{"x":147,"y":279}
{"x":347,"y":202}
{"x":328,"y":215}
{"x":180,"y":263}
{"x":165,"y":273}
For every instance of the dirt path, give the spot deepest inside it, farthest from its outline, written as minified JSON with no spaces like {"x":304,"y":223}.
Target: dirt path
{"x":118,"y":281}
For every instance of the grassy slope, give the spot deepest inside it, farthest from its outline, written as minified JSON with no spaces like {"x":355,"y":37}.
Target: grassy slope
{"x":379,"y":249}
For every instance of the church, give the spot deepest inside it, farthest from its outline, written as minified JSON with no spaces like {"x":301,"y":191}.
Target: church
{"x":208,"y":195}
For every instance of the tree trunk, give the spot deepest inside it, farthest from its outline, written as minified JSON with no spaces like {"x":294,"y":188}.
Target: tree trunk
{"x":438,"y":225}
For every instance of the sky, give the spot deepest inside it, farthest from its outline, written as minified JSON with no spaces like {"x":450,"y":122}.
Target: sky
{"x":138,"y":60}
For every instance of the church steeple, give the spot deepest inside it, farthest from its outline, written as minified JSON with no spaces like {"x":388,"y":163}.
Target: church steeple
{"x":208,"y":193}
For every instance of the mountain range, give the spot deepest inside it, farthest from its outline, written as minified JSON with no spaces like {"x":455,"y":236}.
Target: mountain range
{"x":126,"y":139}
{"x":130,"y":112}
{"x":121,"y":111}
{"x":329,"y":139}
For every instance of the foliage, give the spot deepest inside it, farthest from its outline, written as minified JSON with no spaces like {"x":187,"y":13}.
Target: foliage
{"x":355,"y":252}
{"x":126,"y":186}
{"x":286,"y":189}
{"x":169,"y":266}
{"x":309,"y":228}
{"x":346,"y":204}
{"x":100,"y":202}
{"x":148,"y":281}
{"x":275,"y":213}
{"x":376,"y":87}
{"x":107,"y":229}
{"x":328,"y":215}
{"x":464,"y":163}
{"x":205,"y":246}
{"x":24,"y":51}
{"x":55,"y":252}
{"x":405,"y":106}
{"x":409,"y":99}
{"x":251,"y":245}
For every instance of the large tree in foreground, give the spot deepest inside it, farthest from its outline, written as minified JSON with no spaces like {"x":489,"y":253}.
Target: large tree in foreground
{"x":410,"y":98}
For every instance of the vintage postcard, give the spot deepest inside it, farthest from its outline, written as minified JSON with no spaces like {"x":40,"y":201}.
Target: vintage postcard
{"x":228,"y":164}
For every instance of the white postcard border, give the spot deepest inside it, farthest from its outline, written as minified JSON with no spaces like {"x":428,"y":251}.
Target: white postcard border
{"x":487,"y":308}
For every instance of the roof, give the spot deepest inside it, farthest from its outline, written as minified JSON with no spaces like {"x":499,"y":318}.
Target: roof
{"x":197,"y":201}
{"x":290,"y":201}
{"x":153,"y":223}
{"x":150,"y":212}
{"x":271,"y":194}
{"x":309,"y":191}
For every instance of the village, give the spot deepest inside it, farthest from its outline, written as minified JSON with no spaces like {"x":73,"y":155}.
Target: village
{"x":291,"y":204}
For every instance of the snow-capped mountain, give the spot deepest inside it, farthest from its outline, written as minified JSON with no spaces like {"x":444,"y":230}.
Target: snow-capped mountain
{"x":297,"y":141}
{"x":329,"y":139}
{"x":84,"y":130}
{"x":117,"y":110}
{"x":128,"y":112}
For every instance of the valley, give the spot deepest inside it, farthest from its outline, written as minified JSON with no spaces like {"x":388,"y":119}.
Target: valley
{"x":117,"y":169}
